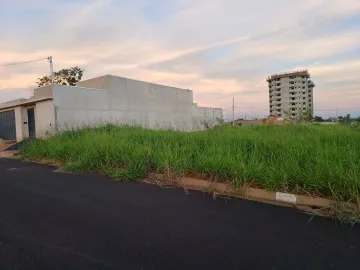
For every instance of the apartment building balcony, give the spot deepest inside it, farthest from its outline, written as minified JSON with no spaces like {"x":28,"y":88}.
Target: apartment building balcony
{"x":278,"y":95}
{"x":311,"y":83}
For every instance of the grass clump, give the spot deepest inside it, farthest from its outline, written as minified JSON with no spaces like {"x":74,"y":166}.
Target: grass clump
{"x":322,"y":160}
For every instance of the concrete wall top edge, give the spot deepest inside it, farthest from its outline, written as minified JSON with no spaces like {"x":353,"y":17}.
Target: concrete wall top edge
{"x":77,"y":87}
{"x":156,"y":84}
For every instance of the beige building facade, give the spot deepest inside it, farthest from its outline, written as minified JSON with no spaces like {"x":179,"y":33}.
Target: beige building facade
{"x":291,"y":92}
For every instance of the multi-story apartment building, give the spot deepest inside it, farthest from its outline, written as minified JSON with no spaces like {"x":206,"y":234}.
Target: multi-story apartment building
{"x":290,"y":92}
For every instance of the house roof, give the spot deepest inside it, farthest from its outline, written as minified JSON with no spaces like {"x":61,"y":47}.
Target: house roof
{"x":23,"y":102}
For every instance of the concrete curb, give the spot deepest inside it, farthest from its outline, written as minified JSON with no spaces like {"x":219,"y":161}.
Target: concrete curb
{"x":255,"y":194}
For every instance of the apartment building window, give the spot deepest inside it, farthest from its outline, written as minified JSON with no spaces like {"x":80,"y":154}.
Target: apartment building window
{"x":303,"y":93}
{"x":303,"y":87}
{"x":304,"y":103}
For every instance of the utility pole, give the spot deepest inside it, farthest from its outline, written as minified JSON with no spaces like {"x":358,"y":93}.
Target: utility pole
{"x":233,"y":111}
{"x":51,"y":69}
{"x":337,"y":114}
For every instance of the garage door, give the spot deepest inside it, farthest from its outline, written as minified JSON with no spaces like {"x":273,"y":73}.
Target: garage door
{"x":7,"y":125}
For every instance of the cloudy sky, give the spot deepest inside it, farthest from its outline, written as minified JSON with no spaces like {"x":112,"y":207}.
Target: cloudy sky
{"x":218,"y":48}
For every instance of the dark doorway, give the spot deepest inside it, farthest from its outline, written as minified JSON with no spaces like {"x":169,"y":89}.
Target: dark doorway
{"x":31,"y":122}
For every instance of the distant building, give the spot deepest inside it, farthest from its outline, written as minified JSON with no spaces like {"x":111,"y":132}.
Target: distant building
{"x":290,"y":92}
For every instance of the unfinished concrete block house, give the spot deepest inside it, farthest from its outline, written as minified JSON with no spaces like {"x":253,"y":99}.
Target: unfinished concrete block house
{"x":106,"y":99}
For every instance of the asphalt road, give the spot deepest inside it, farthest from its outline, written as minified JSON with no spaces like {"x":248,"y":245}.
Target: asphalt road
{"x":51,"y":220}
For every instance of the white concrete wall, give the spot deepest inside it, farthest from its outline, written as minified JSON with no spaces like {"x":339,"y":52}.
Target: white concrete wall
{"x":206,"y":115}
{"x":208,"y":112}
{"x":95,"y":83}
{"x":127,"y":101}
{"x":22,"y":130}
{"x":44,"y":118}
{"x":43,"y":92}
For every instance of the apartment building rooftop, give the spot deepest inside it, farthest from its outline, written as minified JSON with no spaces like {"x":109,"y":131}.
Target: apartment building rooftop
{"x":303,"y":72}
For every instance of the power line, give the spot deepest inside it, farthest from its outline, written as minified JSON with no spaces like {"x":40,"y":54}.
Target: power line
{"x":25,"y":62}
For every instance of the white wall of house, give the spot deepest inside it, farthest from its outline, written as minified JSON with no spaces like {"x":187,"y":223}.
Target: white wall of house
{"x":22,"y":131}
{"x":44,"y":118}
{"x":126,"y":101}
{"x":110,"y":99}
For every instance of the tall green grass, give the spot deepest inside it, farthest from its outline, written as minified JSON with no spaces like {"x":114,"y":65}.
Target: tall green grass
{"x":323,"y":160}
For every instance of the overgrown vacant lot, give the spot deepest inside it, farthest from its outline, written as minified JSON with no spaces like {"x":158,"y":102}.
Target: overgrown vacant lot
{"x":321,"y":160}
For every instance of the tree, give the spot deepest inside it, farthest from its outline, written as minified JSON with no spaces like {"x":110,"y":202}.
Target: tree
{"x":301,"y":117}
{"x":345,"y":119}
{"x":69,"y":76}
{"x":318,"y":119}
{"x":306,"y":115}
{"x":331,"y":119}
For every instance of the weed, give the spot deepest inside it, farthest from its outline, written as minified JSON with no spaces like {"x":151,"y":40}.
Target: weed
{"x":322,"y":160}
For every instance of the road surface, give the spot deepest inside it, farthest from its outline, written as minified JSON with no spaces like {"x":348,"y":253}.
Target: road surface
{"x":51,"y":220}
